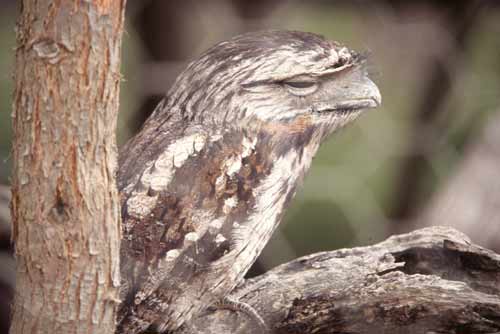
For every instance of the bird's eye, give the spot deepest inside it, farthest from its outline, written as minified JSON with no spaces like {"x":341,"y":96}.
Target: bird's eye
{"x":300,"y":87}
{"x":300,"y":84}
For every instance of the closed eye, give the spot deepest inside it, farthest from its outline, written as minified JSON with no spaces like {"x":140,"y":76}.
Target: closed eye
{"x":300,"y":87}
{"x":300,"y":84}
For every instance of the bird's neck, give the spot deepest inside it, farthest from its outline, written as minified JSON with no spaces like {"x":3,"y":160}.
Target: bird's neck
{"x":286,"y":157}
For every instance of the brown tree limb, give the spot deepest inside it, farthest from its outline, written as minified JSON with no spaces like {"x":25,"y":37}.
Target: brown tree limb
{"x":429,"y":281}
{"x":65,"y":206}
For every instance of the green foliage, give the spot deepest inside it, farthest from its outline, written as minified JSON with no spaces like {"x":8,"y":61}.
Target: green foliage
{"x":7,"y":44}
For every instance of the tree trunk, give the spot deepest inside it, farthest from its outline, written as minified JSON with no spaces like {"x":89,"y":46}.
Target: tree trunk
{"x":65,"y":207}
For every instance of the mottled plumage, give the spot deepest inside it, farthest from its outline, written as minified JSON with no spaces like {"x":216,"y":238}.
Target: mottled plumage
{"x":206,"y":180}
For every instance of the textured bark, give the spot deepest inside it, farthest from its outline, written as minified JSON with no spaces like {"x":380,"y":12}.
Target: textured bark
{"x":65,"y":206}
{"x":429,"y":281}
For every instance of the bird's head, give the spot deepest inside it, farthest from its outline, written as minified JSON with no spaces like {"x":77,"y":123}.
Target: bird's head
{"x":275,"y":78}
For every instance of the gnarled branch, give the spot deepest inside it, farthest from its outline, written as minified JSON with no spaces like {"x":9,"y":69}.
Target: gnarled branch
{"x":433,"y":280}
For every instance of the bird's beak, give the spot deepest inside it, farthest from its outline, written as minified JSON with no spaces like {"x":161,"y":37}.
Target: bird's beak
{"x":350,"y":94}
{"x":369,"y":94}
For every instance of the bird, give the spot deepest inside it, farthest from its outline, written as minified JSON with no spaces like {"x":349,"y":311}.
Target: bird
{"x":207,"y":179}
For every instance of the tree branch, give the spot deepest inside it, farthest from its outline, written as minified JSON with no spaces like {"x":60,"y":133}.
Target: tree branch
{"x":429,"y":281}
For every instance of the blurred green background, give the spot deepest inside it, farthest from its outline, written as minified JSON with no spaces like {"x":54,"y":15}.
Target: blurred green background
{"x":437,"y":64}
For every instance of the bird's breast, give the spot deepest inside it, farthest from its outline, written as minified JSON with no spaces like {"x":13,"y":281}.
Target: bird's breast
{"x":200,"y":213}
{"x":223,"y":193}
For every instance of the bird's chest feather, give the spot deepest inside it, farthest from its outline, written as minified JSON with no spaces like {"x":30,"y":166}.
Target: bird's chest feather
{"x":205,"y":200}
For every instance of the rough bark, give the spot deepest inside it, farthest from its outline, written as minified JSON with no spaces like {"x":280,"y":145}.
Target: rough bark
{"x":65,"y":206}
{"x":429,"y":281}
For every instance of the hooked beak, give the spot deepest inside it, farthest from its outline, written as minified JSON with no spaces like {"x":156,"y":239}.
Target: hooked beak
{"x":354,"y":95}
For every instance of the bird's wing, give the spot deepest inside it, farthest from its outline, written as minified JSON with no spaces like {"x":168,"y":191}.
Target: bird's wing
{"x":181,"y":191}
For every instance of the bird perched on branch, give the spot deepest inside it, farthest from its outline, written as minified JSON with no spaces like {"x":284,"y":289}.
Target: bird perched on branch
{"x":206,"y":181}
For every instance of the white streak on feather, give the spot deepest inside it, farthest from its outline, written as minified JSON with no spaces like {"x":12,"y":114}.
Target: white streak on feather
{"x":215,"y":225}
{"x":220,"y":183}
{"x":190,"y":238}
{"x":215,"y":138}
{"x":229,"y":204}
{"x":234,"y":163}
{"x":159,"y":175}
{"x":219,"y":239}
{"x":140,"y":205}
{"x":248,"y":146}
{"x":172,"y":254}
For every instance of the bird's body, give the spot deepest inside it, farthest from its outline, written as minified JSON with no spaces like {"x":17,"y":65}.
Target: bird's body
{"x":205,"y":182}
